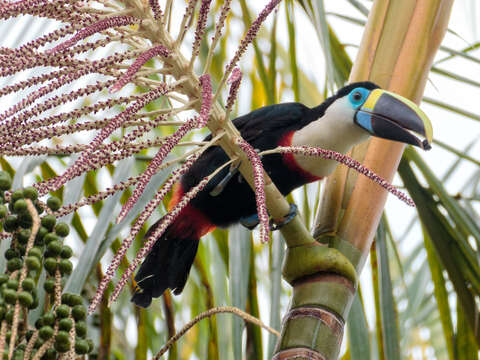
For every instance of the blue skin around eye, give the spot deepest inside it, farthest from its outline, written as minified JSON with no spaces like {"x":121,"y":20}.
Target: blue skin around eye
{"x":365,"y":121}
{"x":357,"y":103}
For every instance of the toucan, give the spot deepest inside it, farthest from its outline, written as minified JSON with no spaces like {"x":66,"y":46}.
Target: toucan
{"x":356,"y":112}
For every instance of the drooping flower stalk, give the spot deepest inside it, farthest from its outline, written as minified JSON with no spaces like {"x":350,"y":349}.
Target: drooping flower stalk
{"x":66,"y":79}
{"x":23,"y":125}
{"x":218,"y":33}
{"x":166,"y":221}
{"x":139,"y":62}
{"x":127,"y":242}
{"x":114,"y":21}
{"x":200,"y":30}
{"x":259,"y":182}
{"x":186,"y":19}
{"x":115,"y":123}
{"x":347,"y":161}
{"x":13,"y":125}
{"x":170,"y":143}
{"x":249,"y":36}
{"x":142,"y":218}
{"x":62,"y":10}
{"x":157,"y":11}
{"x":206,"y":86}
{"x":235,"y":79}
{"x":152,"y":168}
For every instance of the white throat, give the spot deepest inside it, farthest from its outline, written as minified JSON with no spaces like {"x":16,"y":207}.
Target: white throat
{"x":335,"y":130}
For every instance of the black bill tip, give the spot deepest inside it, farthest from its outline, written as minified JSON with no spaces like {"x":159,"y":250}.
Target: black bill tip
{"x":426,"y":145}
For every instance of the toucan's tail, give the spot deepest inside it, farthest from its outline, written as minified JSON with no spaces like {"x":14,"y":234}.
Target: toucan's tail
{"x":166,"y":266}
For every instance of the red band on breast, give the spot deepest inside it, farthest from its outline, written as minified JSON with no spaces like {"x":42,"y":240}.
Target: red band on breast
{"x":289,"y":160}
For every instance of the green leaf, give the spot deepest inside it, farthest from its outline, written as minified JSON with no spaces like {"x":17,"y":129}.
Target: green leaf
{"x":359,"y":6}
{"x":460,"y":154}
{"x":457,"y":77}
{"x":115,"y":229}
{"x":26,"y":166}
{"x":316,"y":12}
{"x":458,"y":161}
{"x":254,"y":333}
{"x":292,"y":49}
{"x":48,"y":173}
{"x":459,"y":216}
{"x":358,"y":333}
{"x":239,"y":273}
{"x":73,"y":191}
{"x":451,"y":108}
{"x":444,"y":242}
{"x":272,"y":60}
{"x":416,"y":291}
{"x":387,"y":303}
{"x":90,"y":188}
{"x":262,"y":70}
{"x":378,"y":315}
{"x":220,"y":289}
{"x":7,"y":167}
{"x":465,"y":348}
{"x":462,"y":53}
{"x":89,"y":254}
{"x":440,"y":292}
{"x":277,"y":254}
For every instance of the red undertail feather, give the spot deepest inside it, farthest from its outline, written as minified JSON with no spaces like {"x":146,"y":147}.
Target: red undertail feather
{"x":190,"y":221}
{"x":170,"y":260}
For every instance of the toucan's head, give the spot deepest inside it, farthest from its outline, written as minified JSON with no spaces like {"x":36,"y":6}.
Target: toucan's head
{"x":384,"y":114}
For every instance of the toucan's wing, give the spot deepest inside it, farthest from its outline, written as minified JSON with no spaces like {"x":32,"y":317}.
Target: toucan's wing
{"x":269,"y":122}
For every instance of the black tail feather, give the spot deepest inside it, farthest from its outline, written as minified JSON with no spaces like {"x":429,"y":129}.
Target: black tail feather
{"x":166,"y":266}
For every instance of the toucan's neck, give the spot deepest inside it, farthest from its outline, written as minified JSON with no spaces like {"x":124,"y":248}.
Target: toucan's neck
{"x":335,"y":130}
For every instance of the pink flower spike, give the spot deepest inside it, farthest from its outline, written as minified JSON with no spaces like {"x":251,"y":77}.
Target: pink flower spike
{"x":104,"y":24}
{"x":205,"y":82}
{"x":152,"y":239}
{"x":259,"y":182}
{"x":83,"y":161}
{"x":162,"y":153}
{"x":149,"y":209}
{"x":236,"y":76}
{"x":201,"y":23}
{"x":351,"y":163}
{"x":251,"y":33}
{"x":142,"y":59}
{"x":235,"y":79}
{"x":157,"y":11}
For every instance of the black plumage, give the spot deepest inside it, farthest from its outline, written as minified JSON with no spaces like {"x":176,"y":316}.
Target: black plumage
{"x":169,"y":262}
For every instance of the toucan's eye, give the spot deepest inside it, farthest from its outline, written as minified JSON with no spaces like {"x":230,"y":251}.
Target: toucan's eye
{"x":357,"y":96}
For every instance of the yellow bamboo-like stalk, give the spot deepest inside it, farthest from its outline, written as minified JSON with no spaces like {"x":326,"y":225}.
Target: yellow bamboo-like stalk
{"x":397,"y":50}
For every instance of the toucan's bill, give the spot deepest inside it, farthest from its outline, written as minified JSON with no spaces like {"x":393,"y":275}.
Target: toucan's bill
{"x":391,"y":116}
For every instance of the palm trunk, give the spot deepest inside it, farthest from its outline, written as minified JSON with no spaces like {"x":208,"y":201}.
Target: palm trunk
{"x":397,"y":50}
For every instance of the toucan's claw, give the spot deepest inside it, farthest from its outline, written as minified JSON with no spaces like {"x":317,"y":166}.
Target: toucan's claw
{"x":277,"y":224}
{"x":217,"y":190}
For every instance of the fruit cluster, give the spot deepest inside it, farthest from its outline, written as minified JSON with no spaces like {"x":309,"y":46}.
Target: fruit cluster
{"x":64,"y":327}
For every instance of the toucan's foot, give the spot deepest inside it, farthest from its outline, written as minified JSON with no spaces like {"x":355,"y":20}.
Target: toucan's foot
{"x":278,"y":223}
{"x":250,"y":222}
